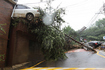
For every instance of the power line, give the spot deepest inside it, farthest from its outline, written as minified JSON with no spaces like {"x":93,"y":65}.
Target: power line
{"x":94,"y":17}
{"x":75,"y":4}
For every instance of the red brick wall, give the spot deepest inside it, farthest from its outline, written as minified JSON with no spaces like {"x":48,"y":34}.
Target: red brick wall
{"x":3,"y":44}
{"x":21,"y":49}
{"x":5,"y":18}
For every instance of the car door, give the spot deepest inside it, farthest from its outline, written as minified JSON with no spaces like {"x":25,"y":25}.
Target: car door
{"x":20,"y":11}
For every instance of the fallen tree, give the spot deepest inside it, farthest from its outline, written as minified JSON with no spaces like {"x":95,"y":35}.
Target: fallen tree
{"x":50,"y":40}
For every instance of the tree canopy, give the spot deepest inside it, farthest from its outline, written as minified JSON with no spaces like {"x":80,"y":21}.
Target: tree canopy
{"x":95,"y":32}
{"x":69,"y":31}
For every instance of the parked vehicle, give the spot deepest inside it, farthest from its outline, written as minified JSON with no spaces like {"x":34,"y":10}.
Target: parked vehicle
{"x":94,"y":44}
{"x":25,"y":12}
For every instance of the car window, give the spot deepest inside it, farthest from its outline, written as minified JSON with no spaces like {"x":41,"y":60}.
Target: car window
{"x":22,"y":7}
{"x":99,"y":42}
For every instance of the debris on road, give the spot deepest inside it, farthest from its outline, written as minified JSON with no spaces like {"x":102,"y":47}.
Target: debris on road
{"x":87,"y":46}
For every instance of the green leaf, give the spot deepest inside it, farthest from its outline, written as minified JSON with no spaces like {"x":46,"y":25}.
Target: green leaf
{"x":3,"y":30}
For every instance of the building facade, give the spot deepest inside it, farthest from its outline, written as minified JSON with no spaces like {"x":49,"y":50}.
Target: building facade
{"x":6,"y":8}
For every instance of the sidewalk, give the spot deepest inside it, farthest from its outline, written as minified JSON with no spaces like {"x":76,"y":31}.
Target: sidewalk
{"x":15,"y":67}
{"x":7,"y":68}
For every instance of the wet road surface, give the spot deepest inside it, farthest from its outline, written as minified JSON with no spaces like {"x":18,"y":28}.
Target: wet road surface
{"x":76,"y":59}
{"x":82,"y":60}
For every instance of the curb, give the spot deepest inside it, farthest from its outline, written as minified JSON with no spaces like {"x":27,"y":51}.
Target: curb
{"x":7,"y":68}
{"x":19,"y":65}
{"x":60,"y":68}
{"x":14,"y":67}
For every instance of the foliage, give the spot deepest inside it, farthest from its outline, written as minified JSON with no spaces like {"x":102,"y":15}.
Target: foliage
{"x":51,"y":42}
{"x":1,"y":28}
{"x":95,"y":32}
{"x":15,"y":22}
{"x":69,"y":31}
{"x":50,"y":39}
{"x":66,"y":30}
{"x":72,"y":33}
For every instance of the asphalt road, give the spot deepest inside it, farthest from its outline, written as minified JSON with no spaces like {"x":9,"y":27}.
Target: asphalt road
{"x":84,"y":59}
{"x":76,"y":59}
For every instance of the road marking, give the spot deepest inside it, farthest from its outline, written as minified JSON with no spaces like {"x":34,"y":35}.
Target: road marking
{"x":37,"y":64}
{"x":100,"y":55}
{"x":70,"y":68}
{"x":61,"y":68}
{"x":90,"y":69}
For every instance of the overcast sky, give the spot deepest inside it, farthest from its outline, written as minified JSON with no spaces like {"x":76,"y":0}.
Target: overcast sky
{"x":79,"y":13}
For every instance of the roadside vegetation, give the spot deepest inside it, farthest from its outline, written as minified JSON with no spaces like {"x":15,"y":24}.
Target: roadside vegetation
{"x":72,"y":33}
{"x":95,"y":32}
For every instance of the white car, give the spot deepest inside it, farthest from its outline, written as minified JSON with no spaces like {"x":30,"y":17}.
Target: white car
{"x":25,"y":12}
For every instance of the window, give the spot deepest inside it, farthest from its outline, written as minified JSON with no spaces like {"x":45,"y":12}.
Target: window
{"x":15,"y":0}
{"x":22,"y":7}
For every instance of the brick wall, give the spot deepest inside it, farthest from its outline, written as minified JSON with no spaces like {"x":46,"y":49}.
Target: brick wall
{"x":5,"y":18}
{"x":21,"y":49}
